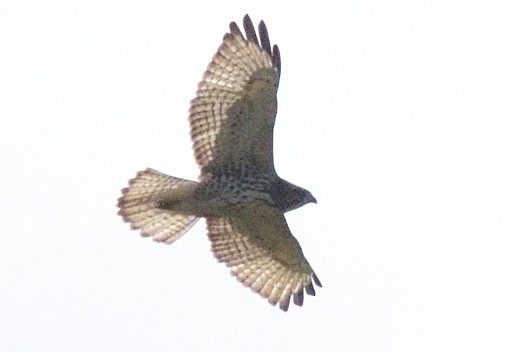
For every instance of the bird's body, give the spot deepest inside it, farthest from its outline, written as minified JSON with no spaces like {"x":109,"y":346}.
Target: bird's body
{"x":239,"y":192}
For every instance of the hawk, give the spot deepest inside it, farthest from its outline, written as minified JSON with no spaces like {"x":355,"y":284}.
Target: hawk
{"x":239,"y":192}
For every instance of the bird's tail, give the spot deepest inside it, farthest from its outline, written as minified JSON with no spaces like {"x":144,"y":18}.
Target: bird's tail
{"x":142,"y":205}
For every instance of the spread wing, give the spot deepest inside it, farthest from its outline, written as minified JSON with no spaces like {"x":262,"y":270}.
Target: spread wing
{"x":233,"y":114}
{"x":262,"y":253}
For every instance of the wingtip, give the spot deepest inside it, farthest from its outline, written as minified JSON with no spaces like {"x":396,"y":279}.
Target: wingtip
{"x":285,"y":304}
{"x":298,"y":298}
{"x":276,"y":58}
{"x":251,"y":34}
{"x":310,"y":290}
{"x":316,"y":280}
{"x":235,"y":30}
{"x":264,"y":38}
{"x":246,"y":19}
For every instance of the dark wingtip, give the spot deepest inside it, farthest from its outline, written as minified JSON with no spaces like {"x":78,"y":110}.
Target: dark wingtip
{"x":316,"y":279}
{"x":276,"y":58}
{"x":284,"y":305}
{"x":250,"y":30}
{"x":251,"y":36}
{"x":264,"y":37}
{"x":310,"y":290}
{"x":235,"y":30}
{"x":298,"y":298}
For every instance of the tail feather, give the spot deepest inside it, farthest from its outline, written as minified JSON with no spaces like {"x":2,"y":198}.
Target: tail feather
{"x":140,"y":205}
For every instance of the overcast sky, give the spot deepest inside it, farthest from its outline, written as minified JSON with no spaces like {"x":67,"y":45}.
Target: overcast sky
{"x":406,"y":119}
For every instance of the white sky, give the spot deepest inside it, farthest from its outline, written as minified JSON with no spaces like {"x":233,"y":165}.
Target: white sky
{"x":406,"y":119}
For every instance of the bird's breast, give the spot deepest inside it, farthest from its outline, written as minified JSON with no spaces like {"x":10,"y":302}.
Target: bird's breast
{"x":222,"y":194}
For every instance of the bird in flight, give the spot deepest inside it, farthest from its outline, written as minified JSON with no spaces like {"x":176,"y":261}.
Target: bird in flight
{"x":239,"y":192}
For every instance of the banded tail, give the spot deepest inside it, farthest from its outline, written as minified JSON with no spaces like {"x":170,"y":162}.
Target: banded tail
{"x":142,"y":205}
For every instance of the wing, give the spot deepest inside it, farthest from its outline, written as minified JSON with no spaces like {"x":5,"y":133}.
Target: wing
{"x":233,"y":114}
{"x":263,"y":254}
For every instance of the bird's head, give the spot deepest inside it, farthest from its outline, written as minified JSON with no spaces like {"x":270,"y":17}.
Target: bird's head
{"x":288,"y":196}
